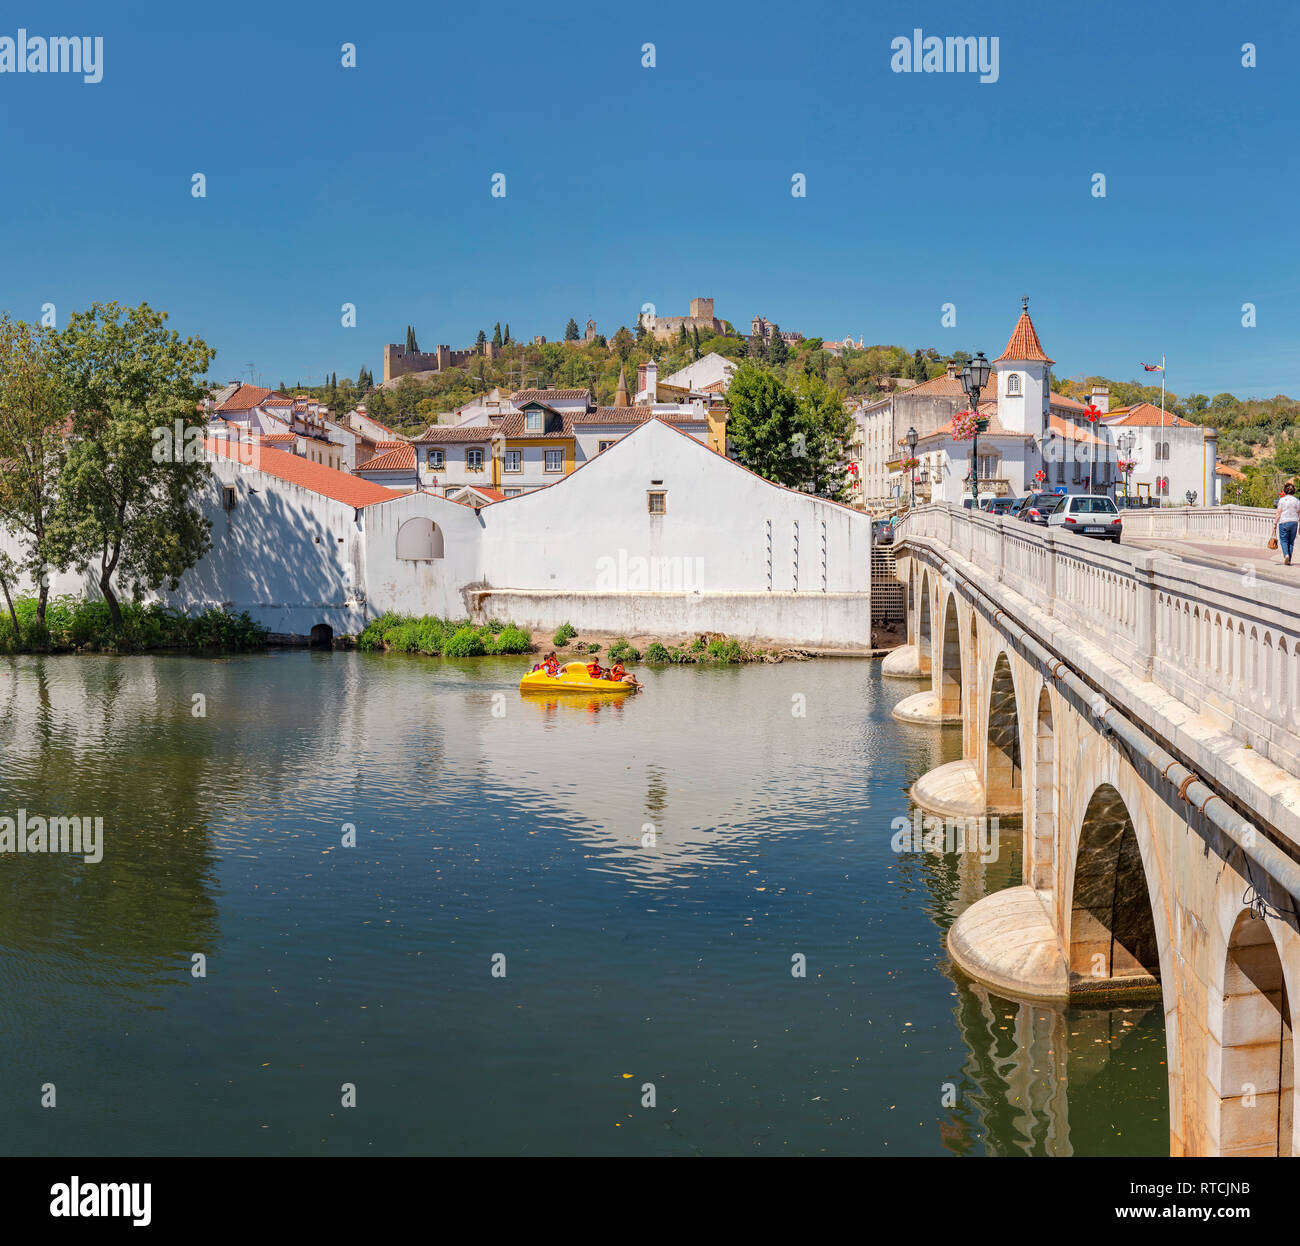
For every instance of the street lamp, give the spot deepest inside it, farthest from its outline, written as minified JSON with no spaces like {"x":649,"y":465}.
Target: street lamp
{"x":974,"y":377}
{"x":1190,"y":495}
{"x":911,"y":440}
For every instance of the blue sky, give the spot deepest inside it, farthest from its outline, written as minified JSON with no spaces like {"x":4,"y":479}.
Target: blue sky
{"x":628,"y":185}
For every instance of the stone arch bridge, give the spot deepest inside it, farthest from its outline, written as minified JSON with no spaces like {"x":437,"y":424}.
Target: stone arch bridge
{"x":1138,"y":718}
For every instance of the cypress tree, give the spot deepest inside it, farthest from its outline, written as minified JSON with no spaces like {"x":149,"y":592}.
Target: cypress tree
{"x":496,"y":334}
{"x":481,"y":340}
{"x":777,"y":350}
{"x":696,"y":343}
{"x":507,"y":333}
{"x":571,"y":330}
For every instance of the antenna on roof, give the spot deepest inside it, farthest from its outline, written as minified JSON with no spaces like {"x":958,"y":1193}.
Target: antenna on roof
{"x":1024,"y":302}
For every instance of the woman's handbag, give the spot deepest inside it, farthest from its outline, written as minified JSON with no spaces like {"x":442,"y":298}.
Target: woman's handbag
{"x":1272,"y":542}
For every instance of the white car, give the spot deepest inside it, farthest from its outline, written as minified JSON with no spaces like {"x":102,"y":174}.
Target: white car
{"x":1088,"y":514}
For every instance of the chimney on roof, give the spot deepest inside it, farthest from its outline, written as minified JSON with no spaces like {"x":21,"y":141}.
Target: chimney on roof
{"x":1100,"y":398}
{"x":952,"y":370}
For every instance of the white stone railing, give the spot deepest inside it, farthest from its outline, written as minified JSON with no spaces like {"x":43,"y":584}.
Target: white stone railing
{"x":1223,"y":642}
{"x":1245,"y":525}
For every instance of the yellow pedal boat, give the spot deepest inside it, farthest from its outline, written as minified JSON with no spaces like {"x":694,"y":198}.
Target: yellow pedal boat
{"x":573,"y":677}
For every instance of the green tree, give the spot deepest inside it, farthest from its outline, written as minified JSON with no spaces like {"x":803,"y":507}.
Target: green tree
{"x":919,"y":370}
{"x":681,"y":335}
{"x":507,"y":333}
{"x":757,"y":346}
{"x":496,"y":334}
{"x":641,"y":331}
{"x":624,"y":342}
{"x":695,"y":344}
{"x":481,"y":340}
{"x":777,"y":351}
{"x":34,"y":409}
{"x":827,"y":430}
{"x":571,"y":330}
{"x":764,"y":426}
{"x":126,"y":511}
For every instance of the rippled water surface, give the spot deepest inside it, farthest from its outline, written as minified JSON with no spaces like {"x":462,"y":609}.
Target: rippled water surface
{"x":490,"y":824}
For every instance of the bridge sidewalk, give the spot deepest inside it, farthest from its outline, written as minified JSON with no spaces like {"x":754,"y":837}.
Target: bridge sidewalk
{"x":1229,"y":556}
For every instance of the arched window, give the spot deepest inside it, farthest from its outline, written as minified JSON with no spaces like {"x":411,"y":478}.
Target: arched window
{"x":419,"y":540}
{"x":1013,"y":383}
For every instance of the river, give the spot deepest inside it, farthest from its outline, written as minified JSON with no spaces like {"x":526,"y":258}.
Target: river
{"x":553,"y":914}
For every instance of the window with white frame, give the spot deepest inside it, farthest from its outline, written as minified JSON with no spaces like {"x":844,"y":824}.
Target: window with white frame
{"x":602,"y":446}
{"x":554,"y":460}
{"x":474,"y":460}
{"x":1013,"y":382}
{"x":657,"y":502}
{"x":514,"y":460}
{"x":436,"y":458}
{"x":533,"y":420}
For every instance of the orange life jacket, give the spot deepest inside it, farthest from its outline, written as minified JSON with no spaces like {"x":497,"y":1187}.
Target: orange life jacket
{"x":616,"y":671}
{"x":593,"y":669}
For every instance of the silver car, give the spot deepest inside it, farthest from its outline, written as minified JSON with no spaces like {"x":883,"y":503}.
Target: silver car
{"x":1088,"y":514}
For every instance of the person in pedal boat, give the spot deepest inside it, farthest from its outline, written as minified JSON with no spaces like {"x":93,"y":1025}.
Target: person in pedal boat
{"x":551,"y":665}
{"x":594,"y":669}
{"x":616,"y":672}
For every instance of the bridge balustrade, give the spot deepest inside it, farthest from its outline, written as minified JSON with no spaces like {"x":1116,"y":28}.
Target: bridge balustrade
{"x":1249,"y":525}
{"x":1223,"y":642}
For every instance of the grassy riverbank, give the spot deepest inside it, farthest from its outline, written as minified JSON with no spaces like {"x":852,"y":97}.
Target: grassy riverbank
{"x":74,"y":624}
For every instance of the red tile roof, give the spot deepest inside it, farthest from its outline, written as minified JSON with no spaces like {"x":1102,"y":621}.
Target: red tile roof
{"x":401,"y":459}
{"x":437,"y":434}
{"x":341,"y":486}
{"x":1024,"y":343}
{"x":1071,"y":431}
{"x":636,"y":415}
{"x":246,"y":397}
{"x":1060,"y":400}
{"x":1147,"y":415}
{"x":546,"y":395}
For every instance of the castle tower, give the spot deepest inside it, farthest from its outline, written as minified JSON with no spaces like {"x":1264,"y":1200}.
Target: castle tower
{"x":621,"y":398}
{"x":1023,"y":371}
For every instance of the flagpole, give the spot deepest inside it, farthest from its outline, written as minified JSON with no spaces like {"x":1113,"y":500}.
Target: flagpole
{"x":1162,"y":391}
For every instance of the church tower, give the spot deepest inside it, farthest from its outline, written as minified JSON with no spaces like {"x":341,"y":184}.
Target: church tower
{"x":1023,"y":372}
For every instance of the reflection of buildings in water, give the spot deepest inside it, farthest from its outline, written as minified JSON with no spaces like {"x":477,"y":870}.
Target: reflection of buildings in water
{"x":96,"y":737}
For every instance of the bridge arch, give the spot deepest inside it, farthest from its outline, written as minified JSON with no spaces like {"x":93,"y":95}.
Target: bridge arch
{"x":948,"y":686}
{"x":1112,"y":939}
{"x":924,"y":630}
{"x":1040,"y":829}
{"x":1255,"y":1077}
{"x":1004,"y":784}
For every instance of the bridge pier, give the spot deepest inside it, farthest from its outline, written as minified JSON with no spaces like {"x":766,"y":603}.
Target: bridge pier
{"x":906,"y":662}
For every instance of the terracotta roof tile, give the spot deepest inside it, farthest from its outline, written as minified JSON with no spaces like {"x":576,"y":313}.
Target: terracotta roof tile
{"x":636,"y":415}
{"x":543,"y":395}
{"x":245,"y":398}
{"x":1024,"y":343}
{"x":1147,"y":415}
{"x":437,"y":434}
{"x":401,"y":459}
{"x":341,"y":486}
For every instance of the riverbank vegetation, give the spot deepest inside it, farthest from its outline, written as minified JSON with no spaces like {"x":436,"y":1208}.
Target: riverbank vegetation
{"x":448,"y":638}
{"x":72,"y":624}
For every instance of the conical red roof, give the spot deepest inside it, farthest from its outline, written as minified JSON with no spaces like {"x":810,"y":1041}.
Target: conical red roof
{"x":1024,"y":343}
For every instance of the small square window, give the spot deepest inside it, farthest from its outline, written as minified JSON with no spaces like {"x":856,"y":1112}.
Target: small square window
{"x":658,"y":503}
{"x":229,"y":497}
{"x":474,"y":460}
{"x":435,"y":458}
{"x":603,"y":446}
{"x":554,"y":460}
{"x":514,"y":461}
{"x":533,"y":421}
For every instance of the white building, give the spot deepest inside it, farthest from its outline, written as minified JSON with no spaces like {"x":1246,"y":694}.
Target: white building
{"x":709,"y":374}
{"x":1171,"y":457}
{"x":657,"y":535}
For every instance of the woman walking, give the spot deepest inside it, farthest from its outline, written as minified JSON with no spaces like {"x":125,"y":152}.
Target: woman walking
{"x":1286,"y":520}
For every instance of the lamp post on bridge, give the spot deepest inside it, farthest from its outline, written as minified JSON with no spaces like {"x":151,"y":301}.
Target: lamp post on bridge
{"x":911,"y":440}
{"x":974,"y":377}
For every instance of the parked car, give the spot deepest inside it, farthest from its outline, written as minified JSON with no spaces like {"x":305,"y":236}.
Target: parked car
{"x":882,"y":532}
{"x":1088,"y":514}
{"x":1036,"y":507}
{"x":1000,"y":506}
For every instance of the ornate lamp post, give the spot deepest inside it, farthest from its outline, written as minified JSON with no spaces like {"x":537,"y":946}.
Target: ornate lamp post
{"x":1093,"y":415}
{"x":974,"y":377}
{"x":911,"y":440}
